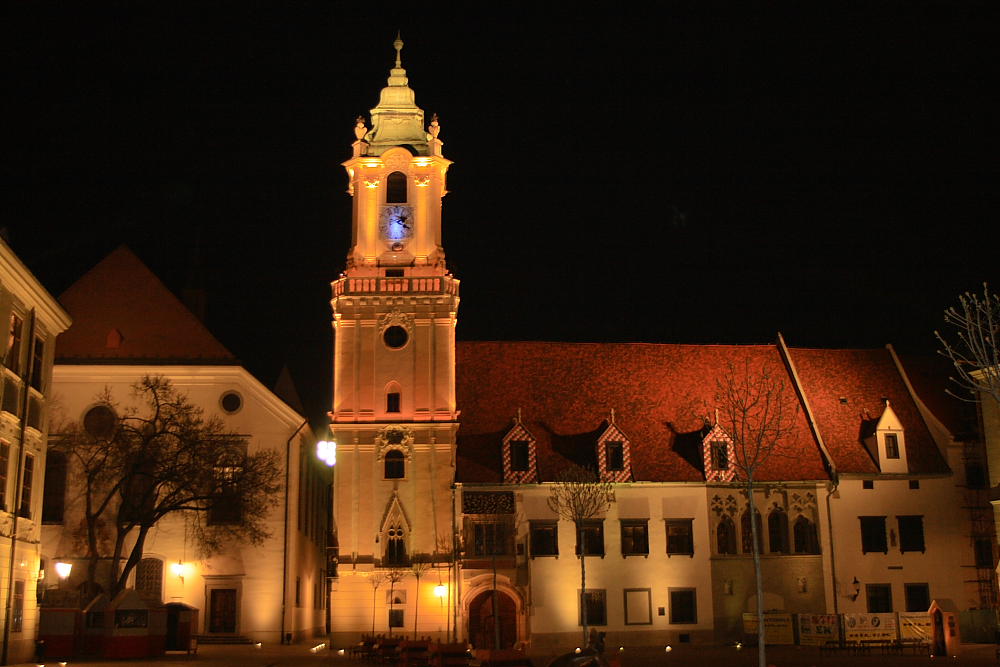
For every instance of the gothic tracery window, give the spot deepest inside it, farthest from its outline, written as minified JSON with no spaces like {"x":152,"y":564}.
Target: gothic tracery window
{"x":395,"y":546}
{"x":726,"y":536}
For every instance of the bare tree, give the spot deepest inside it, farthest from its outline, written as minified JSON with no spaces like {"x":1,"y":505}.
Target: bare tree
{"x":393,"y":576}
{"x":756,"y":410}
{"x":579,"y":495}
{"x":164,"y":459}
{"x":419,"y":569}
{"x":376,"y":580}
{"x":976,"y":354}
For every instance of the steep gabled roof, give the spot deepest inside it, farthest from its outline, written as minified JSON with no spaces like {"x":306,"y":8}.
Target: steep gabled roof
{"x":122,"y":313}
{"x":847,"y":390}
{"x":566,"y":391}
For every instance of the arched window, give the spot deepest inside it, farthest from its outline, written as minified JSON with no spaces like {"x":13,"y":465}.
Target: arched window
{"x":804,"y":534}
{"x":745,"y":531}
{"x":777,"y":531}
{"x":725,"y":535}
{"x":149,"y":579}
{"x":395,"y":465}
{"x":395,"y":546}
{"x":395,"y":188}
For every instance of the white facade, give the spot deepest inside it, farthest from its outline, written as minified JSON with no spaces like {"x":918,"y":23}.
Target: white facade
{"x":31,"y":319}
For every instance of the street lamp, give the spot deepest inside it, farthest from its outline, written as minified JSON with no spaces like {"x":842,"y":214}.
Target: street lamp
{"x":64,"y":569}
{"x":326,"y":451}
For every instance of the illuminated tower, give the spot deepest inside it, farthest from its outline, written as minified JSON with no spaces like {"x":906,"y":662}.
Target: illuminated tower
{"x":394,"y":313}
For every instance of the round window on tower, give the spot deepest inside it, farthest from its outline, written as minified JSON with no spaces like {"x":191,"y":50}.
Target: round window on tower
{"x":100,"y":421}
{"x":231,"y":402}
{"x":395,"y":337}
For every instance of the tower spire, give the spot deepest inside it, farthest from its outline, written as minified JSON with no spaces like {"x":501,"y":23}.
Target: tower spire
{"x":398,"y":44}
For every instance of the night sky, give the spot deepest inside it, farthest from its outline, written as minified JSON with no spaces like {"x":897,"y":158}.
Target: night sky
{"x":714,"y":174}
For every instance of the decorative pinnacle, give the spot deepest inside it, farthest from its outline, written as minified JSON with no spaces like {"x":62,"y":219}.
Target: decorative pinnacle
{"x":398,"y":44}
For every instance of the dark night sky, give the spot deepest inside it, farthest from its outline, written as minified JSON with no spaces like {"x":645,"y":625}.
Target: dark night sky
{"x":711,"y":175}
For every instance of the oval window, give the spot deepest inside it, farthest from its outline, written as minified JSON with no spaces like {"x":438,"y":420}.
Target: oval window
{"x":99,"y":422}
{"x":395,"y":337}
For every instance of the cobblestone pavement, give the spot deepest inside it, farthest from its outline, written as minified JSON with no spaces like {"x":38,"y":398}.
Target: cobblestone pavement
{"x":299,"y":655}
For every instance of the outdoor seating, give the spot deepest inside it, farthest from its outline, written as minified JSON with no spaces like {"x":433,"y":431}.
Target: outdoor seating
{"x":415,"y":653}
{"x":450,"y":655}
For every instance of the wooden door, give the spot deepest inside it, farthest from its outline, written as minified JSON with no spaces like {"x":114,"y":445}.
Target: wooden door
{"x":222,"y":610}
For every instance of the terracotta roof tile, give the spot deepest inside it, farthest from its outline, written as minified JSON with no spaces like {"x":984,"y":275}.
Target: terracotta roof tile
{"x":863,"y":379}
{"x":123,"y":313}
{"x":566,"y":392}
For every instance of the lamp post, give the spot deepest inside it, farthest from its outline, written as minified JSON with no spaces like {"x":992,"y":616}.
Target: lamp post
{"x":326,"y":451}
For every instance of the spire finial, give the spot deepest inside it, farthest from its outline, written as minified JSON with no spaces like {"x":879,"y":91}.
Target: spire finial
{"x":398,"y":44}
{"x":612,"y":415}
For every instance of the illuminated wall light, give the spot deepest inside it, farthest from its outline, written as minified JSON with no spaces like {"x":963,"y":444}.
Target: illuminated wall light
{"x":180,"y":569}
{"x":64,"y":569}
{"x":440,"y":591}
{"x":326,"y":451}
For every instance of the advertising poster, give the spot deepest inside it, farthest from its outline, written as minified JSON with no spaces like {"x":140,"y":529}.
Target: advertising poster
{"x":866,"y":627}
{"x":915,"y":625}
{"x":777,"y":628}
{"x":818,"y":629}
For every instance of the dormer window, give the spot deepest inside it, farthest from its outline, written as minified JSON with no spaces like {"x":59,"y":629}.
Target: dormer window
{"x":518,"y":451}
{"x":613,"y":457}
{"x":891,"y":446}
{"x":519,"y":455}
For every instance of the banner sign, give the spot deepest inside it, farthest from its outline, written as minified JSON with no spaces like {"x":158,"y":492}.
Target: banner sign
{"x":777,"y":628}
{"x":818,"y":629}
{"x":915,"y":625}
{"x":861,"y":627}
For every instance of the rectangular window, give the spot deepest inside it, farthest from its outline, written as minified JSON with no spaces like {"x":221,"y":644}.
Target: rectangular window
{"x":891,"y":446}
{"x":12,"y":358}
{"x":396,"y":618}
{"x":54,"y":490}
{"x":591,"y":533}
{"x":37,"y":357}
{"x":680,"y":537}
{"x":544,"y":538}
{"x":911,"y":533}
{"x":683,"y":606}
{"x":4,"y":466}
{"x":614,"y":453}
{"x":595,"y":605}
{"x":879,"y":598}
{"x":720,"y":456}
{"x":491,"y":538}
{"x":984,"y":553}
{"x":27,"y":482}
{"x":635,"y":537}
{"x":873,"y":534}
{"x":392,"y":401}
{"x":638,"y":607}
{"x":519,"y":455}
{"x":918,"y":597}
{"x":17,"y":613}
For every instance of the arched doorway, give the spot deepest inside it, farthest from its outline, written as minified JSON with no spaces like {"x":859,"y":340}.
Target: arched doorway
{"x":481,"y":627}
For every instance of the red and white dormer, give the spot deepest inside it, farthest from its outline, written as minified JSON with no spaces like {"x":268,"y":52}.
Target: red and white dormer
{"x":614,"y":457}
{"x":888,"y":443}
{"x":719,"y":456}
{"x":519,"y":455}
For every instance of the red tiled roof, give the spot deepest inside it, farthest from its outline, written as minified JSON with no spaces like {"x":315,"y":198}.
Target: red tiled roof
{"x":864,"y":378}
{"x":123,"y":313}
{"x":929,"y":376}
{"x":566,"y":392}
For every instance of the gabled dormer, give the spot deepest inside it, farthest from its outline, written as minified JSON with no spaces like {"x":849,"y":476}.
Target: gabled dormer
{"x":614,"y":456}
{"x":886,"y":442}
{"x":719,"y":456}
{"x":519,"y":458}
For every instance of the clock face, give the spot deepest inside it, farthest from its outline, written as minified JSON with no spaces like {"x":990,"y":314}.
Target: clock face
{"x":396,"y":224}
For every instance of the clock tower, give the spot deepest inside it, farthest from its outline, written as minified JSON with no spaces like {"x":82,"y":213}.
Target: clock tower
{"x":394,"y":313}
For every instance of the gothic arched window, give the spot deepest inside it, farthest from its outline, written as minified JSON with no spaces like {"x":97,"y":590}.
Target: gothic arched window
{"x":804,"y":534}
{"x":395,"y":546}
{"x":395,"y":464}
{"x":777,"y":531}
{"x":725,"y":535}
{"x":745,"y":531}
{"x":395,"y":188}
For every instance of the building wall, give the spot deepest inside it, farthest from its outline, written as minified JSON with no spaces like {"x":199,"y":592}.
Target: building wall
{"x":255,"y":571}
{"x":23,"y":430}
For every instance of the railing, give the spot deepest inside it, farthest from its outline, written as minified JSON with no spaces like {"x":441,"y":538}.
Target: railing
{"x":381,"y":285}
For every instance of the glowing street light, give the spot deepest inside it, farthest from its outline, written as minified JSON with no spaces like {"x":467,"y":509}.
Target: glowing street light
{"x":440,"y":591}
{"x":64,"y":569}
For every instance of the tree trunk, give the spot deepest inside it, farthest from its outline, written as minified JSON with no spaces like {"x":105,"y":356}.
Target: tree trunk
{"x":583,"y":582}
{"x":135,"y":555}
{"x":496,"y":602}
{"x":761,"y":650}
{"x":416,"y":608}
